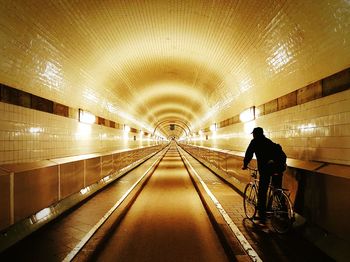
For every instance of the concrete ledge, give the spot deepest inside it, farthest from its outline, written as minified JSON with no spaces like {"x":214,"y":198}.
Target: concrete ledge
{"x":335,"y":170}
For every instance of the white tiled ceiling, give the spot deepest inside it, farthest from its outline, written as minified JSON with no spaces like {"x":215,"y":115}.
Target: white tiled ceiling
{"x":194,"y":62}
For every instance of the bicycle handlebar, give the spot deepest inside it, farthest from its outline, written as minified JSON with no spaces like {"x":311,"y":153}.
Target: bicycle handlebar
{"x":254,"y":172}
{"x":252,"y":169}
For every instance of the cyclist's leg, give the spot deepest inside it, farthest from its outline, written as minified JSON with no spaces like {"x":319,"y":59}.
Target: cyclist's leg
{"x":276,"y":180}
{"x":262,"y":192}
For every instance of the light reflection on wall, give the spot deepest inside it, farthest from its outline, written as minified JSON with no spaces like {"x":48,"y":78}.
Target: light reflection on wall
{"x":115,"y":110}
{"x":245,"y":85}
{"x":220,"y":106}
{"x":141,"y":137}
{"x":52,"y":74}
{"x":308,"y":128}
{"x":35,"y":130}
{"x":86,"y":117}
{"x":249,"y":126}
{"x":91,"y":96}
{"x":280,"y":57}
{"x":126,"y":138}
{"x":83,"y":131}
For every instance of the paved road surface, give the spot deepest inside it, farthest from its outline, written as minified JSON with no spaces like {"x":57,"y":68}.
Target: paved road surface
{"x":167,"y":222}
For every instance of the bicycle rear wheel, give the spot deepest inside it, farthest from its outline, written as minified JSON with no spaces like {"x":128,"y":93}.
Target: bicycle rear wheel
{"x":282,"y":212}
{"x":250,"y":200}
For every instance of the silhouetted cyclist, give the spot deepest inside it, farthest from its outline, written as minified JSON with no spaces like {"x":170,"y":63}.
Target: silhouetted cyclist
{"x":264,"y":150}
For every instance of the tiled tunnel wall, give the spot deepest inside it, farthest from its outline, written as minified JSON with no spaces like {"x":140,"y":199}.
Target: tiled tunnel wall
{"x":317,"y":130}
{"x":27,"y":188}
{"x":30,"y":135}
{"x":315,"y":135}
{"x":311,"y":123}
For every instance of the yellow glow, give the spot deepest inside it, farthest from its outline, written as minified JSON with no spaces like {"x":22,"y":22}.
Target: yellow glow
{"x":164,"y":107}
{"x":145,"y":52}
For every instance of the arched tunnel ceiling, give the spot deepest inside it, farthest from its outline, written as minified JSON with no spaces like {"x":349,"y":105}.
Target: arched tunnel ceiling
{"x":190,"y":61}
{"x":173,"y":127}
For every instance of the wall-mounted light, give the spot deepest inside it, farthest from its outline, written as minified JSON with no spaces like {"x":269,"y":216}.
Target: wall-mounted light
{"x":142,"y":133}
{"x":126,"y":131}
{"x":126,"y":128}
{"x":248,"y":114}
{"x":86,"y":117}
{"x":213,"y":127}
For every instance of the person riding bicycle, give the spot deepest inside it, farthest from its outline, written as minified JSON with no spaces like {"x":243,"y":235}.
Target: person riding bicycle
{"x":264,"y":152}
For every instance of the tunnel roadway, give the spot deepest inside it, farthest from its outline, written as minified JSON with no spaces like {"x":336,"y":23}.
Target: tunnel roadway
{"x":166,"y":222}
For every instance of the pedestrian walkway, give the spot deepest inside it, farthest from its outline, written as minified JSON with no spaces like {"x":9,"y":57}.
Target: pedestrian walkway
{"x":56,"y":240}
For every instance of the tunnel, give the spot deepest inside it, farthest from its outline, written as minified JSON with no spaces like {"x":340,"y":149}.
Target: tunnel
{"x":92,"y":90}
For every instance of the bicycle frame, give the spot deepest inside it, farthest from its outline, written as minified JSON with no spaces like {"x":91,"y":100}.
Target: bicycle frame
{"x":279,"y":208}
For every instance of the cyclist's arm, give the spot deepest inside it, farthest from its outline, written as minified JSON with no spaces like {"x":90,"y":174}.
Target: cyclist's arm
{"x":248,"y":155}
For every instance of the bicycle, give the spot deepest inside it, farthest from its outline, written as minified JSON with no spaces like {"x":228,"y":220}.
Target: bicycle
{"x":279,"y":208}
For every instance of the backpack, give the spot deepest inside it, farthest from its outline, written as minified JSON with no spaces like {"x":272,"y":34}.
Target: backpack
{"x":279,"y":158}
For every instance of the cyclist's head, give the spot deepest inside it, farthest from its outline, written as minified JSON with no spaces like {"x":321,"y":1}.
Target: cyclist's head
{"x":258,"y":132}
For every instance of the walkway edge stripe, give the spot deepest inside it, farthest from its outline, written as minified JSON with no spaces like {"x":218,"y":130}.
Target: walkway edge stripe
{"x":244,"y":242}
{"x":93,"y":230}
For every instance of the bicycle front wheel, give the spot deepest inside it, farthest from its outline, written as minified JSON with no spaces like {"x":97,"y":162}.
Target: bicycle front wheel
{"x":250,"y":200}
{"x":282,"y":212}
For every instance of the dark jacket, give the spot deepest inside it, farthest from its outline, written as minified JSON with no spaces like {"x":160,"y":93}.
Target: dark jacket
{"x":263,"y":149}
